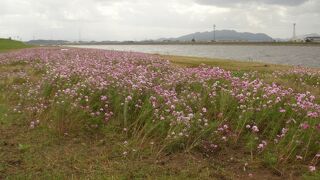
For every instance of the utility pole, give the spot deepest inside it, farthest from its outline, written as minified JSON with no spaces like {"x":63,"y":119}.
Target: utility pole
{"x":79,"y":35}
{"x":294,"y":32}
{"x":214,"y":33}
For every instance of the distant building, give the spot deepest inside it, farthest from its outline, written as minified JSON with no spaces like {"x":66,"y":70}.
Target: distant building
{"x":312,"y":39}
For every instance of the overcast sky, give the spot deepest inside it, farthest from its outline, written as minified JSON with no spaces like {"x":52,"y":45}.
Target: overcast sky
{"x":150,"y":19}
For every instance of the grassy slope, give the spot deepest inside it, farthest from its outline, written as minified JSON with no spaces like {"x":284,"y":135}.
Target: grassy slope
{"x":225,"y":64}
{"x":43,"y":154}
{"x":6,"y":44}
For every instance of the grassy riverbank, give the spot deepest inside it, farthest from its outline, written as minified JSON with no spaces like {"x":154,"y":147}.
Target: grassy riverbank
{"x":7,"y":44}
{"x":231,"y":65}
{"x":101,"y":114}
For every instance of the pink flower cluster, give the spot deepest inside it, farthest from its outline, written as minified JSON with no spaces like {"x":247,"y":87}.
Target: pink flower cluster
{"x":186,"y":98}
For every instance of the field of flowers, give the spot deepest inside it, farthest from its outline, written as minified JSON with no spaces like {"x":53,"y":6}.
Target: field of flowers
{"x":166,"y":108}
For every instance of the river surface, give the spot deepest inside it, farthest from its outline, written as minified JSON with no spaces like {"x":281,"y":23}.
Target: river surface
{"x":290,"y":55}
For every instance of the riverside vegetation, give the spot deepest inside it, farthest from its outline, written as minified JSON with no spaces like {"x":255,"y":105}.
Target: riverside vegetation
{"x":8,"y":44}
{"x":80,"y":113}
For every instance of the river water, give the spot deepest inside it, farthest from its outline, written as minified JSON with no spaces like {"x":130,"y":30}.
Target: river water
{"x":290,"y":55}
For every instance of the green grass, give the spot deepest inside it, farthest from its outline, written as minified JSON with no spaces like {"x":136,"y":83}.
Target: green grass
{"x":64,"y":146}
{"x":6,"y":44}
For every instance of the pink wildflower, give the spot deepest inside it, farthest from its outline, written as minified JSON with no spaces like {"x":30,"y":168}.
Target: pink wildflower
{"x":255,"y":129}
{"x":204,"y":110}
{"x":282,"y":110}
{"x":262,"y":145}
{"x":129,"y":98}
{"x":304,"y":125}
{"x":104,"y":98}
{"x":312,"y":168}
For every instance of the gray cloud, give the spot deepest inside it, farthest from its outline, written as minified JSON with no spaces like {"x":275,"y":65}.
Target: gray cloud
{"x":236,"y":2}
{"x":150,"y":19}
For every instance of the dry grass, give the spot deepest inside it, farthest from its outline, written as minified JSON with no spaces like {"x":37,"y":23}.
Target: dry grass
{"x":225,"y":64}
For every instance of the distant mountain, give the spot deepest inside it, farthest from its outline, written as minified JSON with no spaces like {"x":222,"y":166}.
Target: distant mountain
{"x":223,"y":35}
{"x":47,"y":42}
